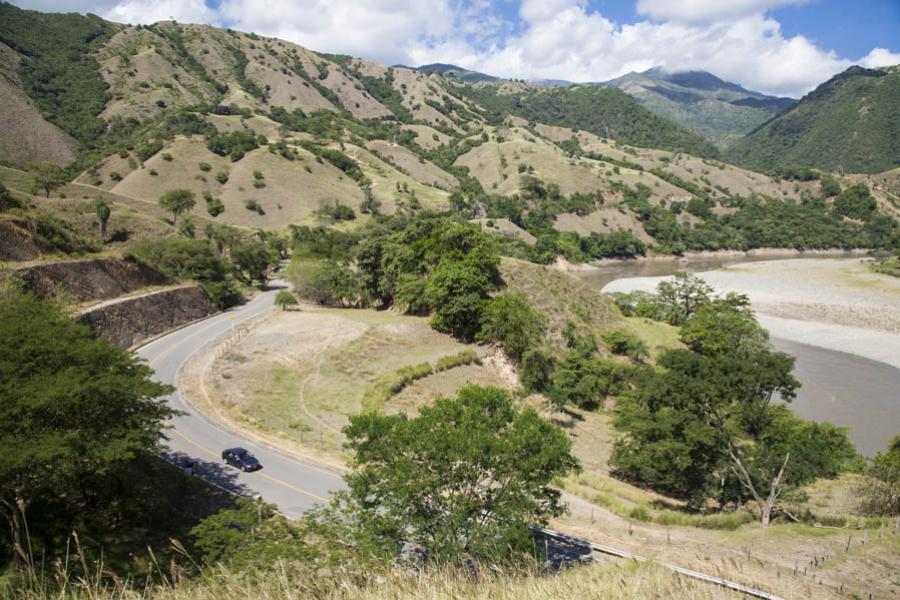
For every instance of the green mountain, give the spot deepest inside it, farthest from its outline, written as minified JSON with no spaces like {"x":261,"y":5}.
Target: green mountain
{"x":701,"y":102}
{"x":606,"y":112}
{"x":453,"y":71}
{"x":850,"y":123}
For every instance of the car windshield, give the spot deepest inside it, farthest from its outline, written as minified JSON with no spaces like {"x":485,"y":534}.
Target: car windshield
{"x":243,"y":453}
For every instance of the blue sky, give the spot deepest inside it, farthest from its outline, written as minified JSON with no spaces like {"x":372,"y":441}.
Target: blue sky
{"x":782,"y":47}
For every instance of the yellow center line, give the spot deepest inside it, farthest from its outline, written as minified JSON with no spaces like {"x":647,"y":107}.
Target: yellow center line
{"x":265,"y":475}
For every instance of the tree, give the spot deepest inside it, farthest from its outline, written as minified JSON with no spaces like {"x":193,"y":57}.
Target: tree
{"x":457,"y":290}
{"x":464,"y":477}
{"x":535,"y":370}
{"x":101,"y":208}
{"x":626,"y":343}
{"x":284,"y":299}
{"x":176,"y":202}
{"x":882,"y":490}
{"x":7,"y":200}
{"x":47,"y":177}
{"x":252,"y":259}
{"x":509,"y":318}
{"x":682,"y":296}
{"x":74,"y":409}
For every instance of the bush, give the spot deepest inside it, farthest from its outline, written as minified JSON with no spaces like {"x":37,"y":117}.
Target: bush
{"x":535,"y":370}
{"x":390,"y":385}
{"x":509,"y":319}
{"x":254,"y":206}
{"x":324,"y":282}
{"x":234,"y":144}
{"x":222,"y":177}
{"x":625,"y":343}
{"x":466,"y":357}
{"x":148,"y":149}
{"x":205,"y":167}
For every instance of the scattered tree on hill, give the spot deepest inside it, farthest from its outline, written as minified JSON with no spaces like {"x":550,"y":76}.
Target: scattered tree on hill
{"x":463,"y":478}
{"x":101,"y":208}
{"x":47,"y":177}
{"x":74,"y":409}
{"x":284,"y":299}
{"x":855,"y":202}
{"x":511,"y":320}
{"x":176,"y":202}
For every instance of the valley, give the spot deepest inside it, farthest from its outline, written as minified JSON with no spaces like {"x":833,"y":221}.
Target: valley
{"x":440,"y":308}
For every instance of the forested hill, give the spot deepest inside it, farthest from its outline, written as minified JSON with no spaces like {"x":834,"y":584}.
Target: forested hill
{"x":701,"y":102}
{"x":606,"y":112}
{"x":850,"y":123}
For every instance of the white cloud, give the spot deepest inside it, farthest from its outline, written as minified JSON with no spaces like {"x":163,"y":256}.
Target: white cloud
{"x":379,"y":29}
{"x":554,"y":39}
{"x":708,"y":10}
{"x":568,"y":41}
{"x":880,"y":57}
{"x":142,"y":11}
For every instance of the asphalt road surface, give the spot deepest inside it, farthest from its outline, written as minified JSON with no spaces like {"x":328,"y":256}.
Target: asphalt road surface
{"x":291,"y":484}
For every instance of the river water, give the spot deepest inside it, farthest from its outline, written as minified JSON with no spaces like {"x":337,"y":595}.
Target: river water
{"x":860,"y":394}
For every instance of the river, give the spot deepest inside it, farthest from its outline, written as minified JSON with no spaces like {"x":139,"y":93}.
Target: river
{"x":851,"y":391}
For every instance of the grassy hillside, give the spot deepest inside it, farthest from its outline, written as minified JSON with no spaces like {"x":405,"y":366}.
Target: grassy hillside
{"x":606,"y":112}
{"x":850,"y":123}
{"x":701,"y":102}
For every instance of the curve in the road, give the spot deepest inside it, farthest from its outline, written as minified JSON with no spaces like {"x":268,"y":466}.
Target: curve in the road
{"x":292,"y":484}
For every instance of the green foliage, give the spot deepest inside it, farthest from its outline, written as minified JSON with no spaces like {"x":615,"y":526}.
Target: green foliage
{"x":626,"y":343}
{"x":463,"y":478}
{"x":704,"y":426}
{"x":182,"y":258}
{"x":75,"y":409}
{"x":682,"y":296}
{"x":252,"y":259}
{"x":465,"y":357}
{"x":8,"y":201}
{"x":324,"y":282}
{"x":392,"y":384}
{"x":233,"y":144}
{"x":148,"y":149}
{"x":511,"y":320}
{"x":584,"y":380}
{"x":284,"y":299}
{"x":606,"y":112}
{"x":881,"y":494}
{"x":335,"y":211}
{"x":536,"y":370}
{"x":856,"y":202}
{"x":849,"y":124}
{"x":176,"y":202}
{"x":222,"y":177}
{"x":59,"y":71}
{"x":46,"y":177}
{"x":830,"y":187}
{"x":458,"y":290}
{"x":640,"y":304}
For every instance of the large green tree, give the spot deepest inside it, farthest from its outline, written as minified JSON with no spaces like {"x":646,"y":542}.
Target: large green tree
{"x":510,"y":319}
{"x":176,"y":202}
{"x":73,"y":409}
{"x":704,"y":424}
{"x":46,"y":177}
{"x":465,"y":476}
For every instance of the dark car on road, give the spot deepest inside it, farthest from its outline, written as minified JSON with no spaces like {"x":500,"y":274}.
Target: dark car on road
{"x":241,"y":459}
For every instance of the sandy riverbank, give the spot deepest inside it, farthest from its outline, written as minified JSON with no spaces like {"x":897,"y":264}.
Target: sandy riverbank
{"x":564,"y":265}
{"x":833,"y":303}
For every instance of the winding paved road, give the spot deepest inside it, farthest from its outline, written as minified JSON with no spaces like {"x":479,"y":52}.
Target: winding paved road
{"x":288,"y":482}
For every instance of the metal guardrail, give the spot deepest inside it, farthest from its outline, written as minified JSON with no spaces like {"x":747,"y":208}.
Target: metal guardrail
{"x":593,"y":546}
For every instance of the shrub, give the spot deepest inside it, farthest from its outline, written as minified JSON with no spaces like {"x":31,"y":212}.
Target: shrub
{"x":222,"y":177}
{"x":205,"y":167}
{"x":625,"y":343}
{"x":466,"y":357}
{"x":509,"y":319}
{"x":166,"y":157}
{"x":251,"y":204}
{"x":115,"y":176}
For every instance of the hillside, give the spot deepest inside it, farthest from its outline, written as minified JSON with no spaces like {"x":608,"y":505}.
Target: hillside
{"x":606,"y":112}
{"x":701,"y":102}
{"x":466,"y":75}
{"x":850,"y":123}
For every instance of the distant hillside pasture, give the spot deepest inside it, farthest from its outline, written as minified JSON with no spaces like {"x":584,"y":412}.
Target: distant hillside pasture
{"x":420,"y":170}
{"x":385,"y":177}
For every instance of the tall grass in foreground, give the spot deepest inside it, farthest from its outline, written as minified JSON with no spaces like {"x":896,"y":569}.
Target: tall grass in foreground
{"x":611,"y":581}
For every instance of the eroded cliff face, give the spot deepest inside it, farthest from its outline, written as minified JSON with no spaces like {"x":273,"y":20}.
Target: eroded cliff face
{"x":90,"y":279}
{"x":126,"y":322}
